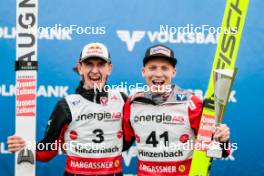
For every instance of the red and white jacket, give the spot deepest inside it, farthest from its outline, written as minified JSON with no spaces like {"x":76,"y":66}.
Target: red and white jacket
{"x":88,"y":125}
{"x":164,"y":133}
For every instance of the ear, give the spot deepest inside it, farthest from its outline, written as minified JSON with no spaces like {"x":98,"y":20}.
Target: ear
{"x":110,"y":67}
{"x":79,"y":68}
{"x":143,"y":72}
{"x":174,"y":72}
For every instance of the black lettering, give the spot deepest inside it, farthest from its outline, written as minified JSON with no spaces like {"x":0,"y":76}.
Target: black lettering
{"x":83,"y":117}
{"x":235,"y":7}
{"x":218,"y":63}
{"x":24,"y":4}
{"x":89,"y":116}
{"x":27,"y":17}
{"x":100,"y":116}
{"x":209,"y":103}
{"x":99,"y":135}
{"x":31,"y":44}
{"x":28,"y":56}
{"x":148,"y":117}
{"x":228,"y":21}
{"x":108,"y":115}
{"x":136,"y":119}
{"x":159,"y":118}
{"x":152,"y":139}
{"x":168,"y":118}
{"x":225,"y":58}
{"x":155,"y":118}
{"x":229,"y":40}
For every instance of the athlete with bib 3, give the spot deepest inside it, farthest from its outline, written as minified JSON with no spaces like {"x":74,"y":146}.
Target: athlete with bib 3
{"x":89,"y":121}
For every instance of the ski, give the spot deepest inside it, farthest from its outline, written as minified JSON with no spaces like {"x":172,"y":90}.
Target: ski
{"x":26,"y":84}
{"x":225,"y":58}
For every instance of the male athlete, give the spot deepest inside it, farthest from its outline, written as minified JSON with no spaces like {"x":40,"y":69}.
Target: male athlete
{"x":165,"y":119}
{"x":89,"y":121}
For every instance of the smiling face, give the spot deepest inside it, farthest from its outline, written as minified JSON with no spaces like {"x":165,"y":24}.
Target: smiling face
{"x":95,"y":72}
{"x":158,"y":74}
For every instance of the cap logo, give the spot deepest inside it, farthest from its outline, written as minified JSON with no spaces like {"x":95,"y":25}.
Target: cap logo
{"x":94,"y":49}
{"x":160,"y":50}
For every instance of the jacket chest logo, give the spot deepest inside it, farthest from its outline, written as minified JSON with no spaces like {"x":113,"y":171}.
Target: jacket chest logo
{"x":103,"y":100}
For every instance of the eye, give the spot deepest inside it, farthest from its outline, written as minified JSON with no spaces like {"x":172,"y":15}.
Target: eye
{"x":152,"y":68}
{"x":164,"y":68}
{"x":101,"y":64}
{"x":88,"y":64}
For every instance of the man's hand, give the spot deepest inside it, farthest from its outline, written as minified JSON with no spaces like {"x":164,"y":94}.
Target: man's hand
{"x":221,"y":133}
{"x":15,"y":143}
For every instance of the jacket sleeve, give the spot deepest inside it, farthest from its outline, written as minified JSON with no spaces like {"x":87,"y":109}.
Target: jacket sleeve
{"x":129,"y":136}
{"x":59,"y":120}
{"x":195,"y":110}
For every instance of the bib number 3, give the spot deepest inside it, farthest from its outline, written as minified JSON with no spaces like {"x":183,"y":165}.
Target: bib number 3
{"x":99,"y":136}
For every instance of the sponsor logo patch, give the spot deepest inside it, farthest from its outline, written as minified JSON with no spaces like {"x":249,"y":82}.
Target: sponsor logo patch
{"x":181,"y":97}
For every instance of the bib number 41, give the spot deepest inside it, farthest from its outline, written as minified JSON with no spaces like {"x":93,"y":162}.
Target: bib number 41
{"x":152,"y":138}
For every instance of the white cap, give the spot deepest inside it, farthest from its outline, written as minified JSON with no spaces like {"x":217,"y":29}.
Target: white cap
{"x":98,"y":50}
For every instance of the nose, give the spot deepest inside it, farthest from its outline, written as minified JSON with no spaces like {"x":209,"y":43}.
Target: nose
{"x":94,"y":69}
{"x":158,"y":72}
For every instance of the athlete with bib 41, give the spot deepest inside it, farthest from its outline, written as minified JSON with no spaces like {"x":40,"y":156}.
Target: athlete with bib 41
{"x":164,"y":119}
{"x":89,"y":121}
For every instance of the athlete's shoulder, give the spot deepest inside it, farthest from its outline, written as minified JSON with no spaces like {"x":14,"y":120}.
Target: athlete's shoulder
{"x":186,"y":95}
{"x":72,"y":96}
{"x":141,"y":98}
{"x":196,"y":98}
{"x":61,"y":103}
{"x":73,"y":99}
{"x":116,"y":95}
{"x":181,"y":95}
{"x":137,"y":95}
